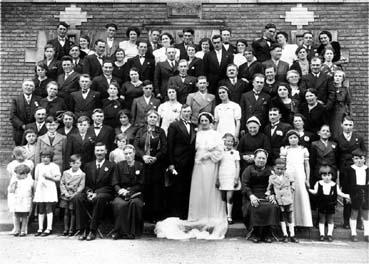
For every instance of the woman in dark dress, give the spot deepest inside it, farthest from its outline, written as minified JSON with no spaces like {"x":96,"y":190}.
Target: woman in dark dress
{"x":305,"y":137}
{"x":41,"y":79}
{"x":284,"y":103}
{"x":271,"y":84}
{"x":296,"y":90}
{"x":302,"y":64}
{"x":112,"y":105}
{"x":53,"y":104}
{"x":260,"y":212}
{"x":128,"y":182}
{"x":133,"y":88}
{"x":125,"y":126}
{"x":120,"y":68}
{"x":151,"y":147}
{"x":53,"y":65}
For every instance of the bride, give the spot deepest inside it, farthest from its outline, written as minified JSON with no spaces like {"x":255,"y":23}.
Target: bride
{"x":207,"y":217}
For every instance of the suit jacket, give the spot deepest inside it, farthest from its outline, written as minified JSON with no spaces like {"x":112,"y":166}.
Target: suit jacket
{"x":69,"y":85}
{"x":33,"y":126}
{"x":53,"y":69}
{"x":236,"y":90}
{"x":83,"y":106}
{"x":183,"y":88}
{"x":346,"y":147}
{"x":18,"y":116}
{"x":183,"y":52}
{"x":261,"y":49}
{"x":92,"y":66}
{"x":75,"y":145}
{"x":161,"y":77}
{"x":61,"y":131}
{"x":252,"y":107}
{"x":109,"y":51}
{"x":196,"y":67}
{"x":58,"y":145}
{"x":200,"y":104}
{"x":140,"y":109}
{"x":106,"y":135}
{"x":349,"y":181}
{"x":78,"y":66}
{"x":282,"y":188}
{"x":282,"y":69}
{"x":215,"y":71}
{"x":247,"y":72}
{"x":99,"y":182}
{"x":100,"y":84}
{"x":54,"y":107}
{"x":321,"y":154}
{"x":61,"y":51}
{"x":278,"y":139}
{"x":150,"y":49}
{"x":146,"y":70}
{"x":130,"y":133}
{"x":315,"y":117}
{"x":324,"y":85}
{"x":231,"y":48}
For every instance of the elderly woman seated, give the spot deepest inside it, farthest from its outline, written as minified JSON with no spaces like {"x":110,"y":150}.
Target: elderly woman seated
{"x":260,"y":212}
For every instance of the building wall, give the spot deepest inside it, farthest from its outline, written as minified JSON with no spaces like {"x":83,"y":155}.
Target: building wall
{"x":21,"y":23}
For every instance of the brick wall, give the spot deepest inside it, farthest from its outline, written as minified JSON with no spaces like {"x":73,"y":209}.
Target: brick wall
{"x":21,"y":22}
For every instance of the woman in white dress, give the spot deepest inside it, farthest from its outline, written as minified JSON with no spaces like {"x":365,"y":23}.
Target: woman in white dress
{"x":288,"y":50}
{"x":227,"y":114}
{"x":130,"y":46}
{"x":169,"y":110}
{"x":207,"y":218}
{"x":297,"y":161}
{"x":167,"y":40}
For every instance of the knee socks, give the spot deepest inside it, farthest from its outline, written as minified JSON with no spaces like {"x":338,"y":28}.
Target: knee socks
{"x":330,"y":229}
{"x":284,"y":228}
{"x":321,"y":229}
{"x":49,"y":221}
{"x":291,"y":228}
{"x":366,"y":227}
{"x":353,"y":227}
{"x":229,"y":210}
{"x":41,"y":218}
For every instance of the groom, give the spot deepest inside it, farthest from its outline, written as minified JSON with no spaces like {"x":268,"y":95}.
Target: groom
{"x":181,"y":152}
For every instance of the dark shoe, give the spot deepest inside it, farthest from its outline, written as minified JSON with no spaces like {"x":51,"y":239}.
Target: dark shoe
{"x":354,"y":239}
{"x":115,"y":236}
{"x":294,"y":240}
{"x":82,"y":236}
{"x":284,"y":239}
{"x":91,"y":236}
{"x":268,"y":240}
{"x":330,"y":238}
{"x":22,"y":234}
{"x":131,"y":236}
{"x":46,"y":233}
{"x":230,"y":221}
{"x":16,"y":234}
{"x":255,"y":239}
{"x":65,"y":232}
{"x":321,"y":238}
{"x":71,"y":233}
{"x":39,"y":232}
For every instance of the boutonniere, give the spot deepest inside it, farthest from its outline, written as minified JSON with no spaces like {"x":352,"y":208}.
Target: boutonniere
{"x":36,"y":103}
{"x":209,"y":100}
{"x":333,"y":146}
{"x":231,"y":152}
{"x":306,"y":138}
{"x":106,"y":169}
{"x":338,"y":91}
{"x":279,"y":132}
{"x":115,"y":106}
{"x":193,"y":67}
{"x":356,"y":139}
{"x":137,"y":172}
{"x":148,"y":62}
{"x":151,"y":103}
{"x":91,"y":139}
{"x":196,"y":129}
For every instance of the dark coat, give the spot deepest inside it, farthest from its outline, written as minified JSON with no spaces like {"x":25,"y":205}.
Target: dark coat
{"x":163,"y":71}
{"x":140,"y":108}
{"x":261,"y":49}
{"x":196,"y":67}
{"x":183,"y":88}
{"x":92,"y":66}
{"x":145,"y":70}
{"x":236,"y":90}
{"x":54,"y":107}
{"x":282,"y":69}
{"x":101,"y":182}
{"x":247,"y":72}
{"x":40,"y":87}
{"x":278,"y":139}
{"x":54,"y":69}
{"x":75,"y":145}
{"x":252,"y":107}
{"x":345,"y":148}
{"x":336,"y":50}
{"x":106,"y":135}
{"x":101,"y":85}
{"x":61,"y":51}
{"x":83,"y":106}
{"x":130,"y":133}
{"x":123,"y":177}
{"x":315,"y":118}
{"x":321,"y":154}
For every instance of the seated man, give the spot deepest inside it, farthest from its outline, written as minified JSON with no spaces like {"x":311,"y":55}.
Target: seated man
{"x":97,"y":193}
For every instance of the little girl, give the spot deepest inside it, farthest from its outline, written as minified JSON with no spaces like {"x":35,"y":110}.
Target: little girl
{"x":30,"y":147}
{"x":282,"y":185}
{"x":19,"y":156}
{"x":47,"y":173}
{"x":326,"y":192}
{"x":229,"y":170}
{"x":21,"y":187}
{"x":117,"y":154}
{"x":72,"y":183}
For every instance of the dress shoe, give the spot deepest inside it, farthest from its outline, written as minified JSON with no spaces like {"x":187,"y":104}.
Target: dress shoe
{"x":91,"y":236}
{"x":83,"y":235}
{"x":268,"y":240}
{"x":294,"y":240}
{"x":321,"y":238}
{"x":115,"y":236}
{"x":284,"y":239}
{"x":71,"y":233}
{"x":230,"y":221}
{"x":38,"y":233}
{"x":65,"y":232}
{"x":330,"y":238}
{"x":256,"y":239}
{"x":16,"y":234}
{"x":22,"y":234}
{"x":354,"y":239}
{"x":46,"y":233}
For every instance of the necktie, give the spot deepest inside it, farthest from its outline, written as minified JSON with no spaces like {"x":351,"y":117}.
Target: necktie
{"x":98,"y":166}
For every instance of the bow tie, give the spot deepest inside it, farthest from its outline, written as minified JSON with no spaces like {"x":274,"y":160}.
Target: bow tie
{"x":142,"y":57}
{"x":97,"y":127}
{"x":183,"y":76}
{"x":255,"y":93}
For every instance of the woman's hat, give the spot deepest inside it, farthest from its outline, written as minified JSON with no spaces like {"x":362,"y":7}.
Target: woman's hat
{"x":253,"y":119}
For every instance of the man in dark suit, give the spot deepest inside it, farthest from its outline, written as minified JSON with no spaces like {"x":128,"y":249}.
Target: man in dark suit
{"x":101,"y":83}
{"x":181,"y":150}
{"x":80,"y":143}
{"x":154,"y":41}
{"x":308,"y":44}
{"x":61,"y":43}
{"x":68,"y":81}
{"x":144,"y":62}
{"x":143,"y":104}
{"x":281,"y":67}
{"x":261,"y":46}
{"x":92,"y":64}
{"x":96,"y":195}
{"x":183,"y":83}
{"x":163,"y":71}
{"x":215,"y":63}
{"x":322,"y":82}
{"x":255,"y":102}
{"x":22,"y":110}
{"x":100,"y":132}
{"x":276,"y":132}
{"x":75,"y":53}
{"x":85,"y":100}
{"x":39,"y":125}
{"x":235,"y":85}
{"x":188,"y":34}
{"x":227,"y":45}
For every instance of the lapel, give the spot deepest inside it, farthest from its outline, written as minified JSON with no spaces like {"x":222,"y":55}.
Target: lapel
{"x":200,"y":100}
{"x":45,"y":139}
{"x":57,"y":139}
{"x":324,"y":149}
{"x":320,"y":80}
{"x":224,"y":58}
{"x":142,"y":102}
{"x":192,"y":134}
{"x":104,"y":168}
{"x":183,"y":128}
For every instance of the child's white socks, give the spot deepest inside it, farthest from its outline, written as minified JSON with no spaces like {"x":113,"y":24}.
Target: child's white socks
{"x":321,"y":229}
{"x":284,"y":229}
{"x":330,"y":229}
{"x":41,"y":218}
{"x":291,"y":228}
{"x":353,"y":227}
{"x":366,"y":227}
{"x":229,"y":210}
{"x":49,"y":221}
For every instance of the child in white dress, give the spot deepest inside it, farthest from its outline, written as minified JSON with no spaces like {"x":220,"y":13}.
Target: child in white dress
{"x":19,"y":156}
{"x":21,"y":187}
{"x":229,"y":171}
{"x":47,"y":173}
{"x":117,"y":154}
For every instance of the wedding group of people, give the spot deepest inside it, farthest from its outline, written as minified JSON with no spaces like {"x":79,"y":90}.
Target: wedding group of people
{"x":180,"y":134}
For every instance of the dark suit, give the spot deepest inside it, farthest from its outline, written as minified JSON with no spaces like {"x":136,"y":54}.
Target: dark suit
{"x":92,"y":66}
{"x":252,"y":107}
{"x":106,"y":135}
{"x":140,"y":108}
{"x":324,"y":85}
{"x":151,"y":49}
{"x":311,"y":51}
{"x":236,"y":90}
{"x":100,"y":84}
{"x":181,"y":150}
{"x":262,"y":49}
{"x":60,"y":50}
{"x":53,"y":69}
{"x":54,"y":107}
{"x":321,"y":154}
{"x":183,"y":52}
{"x":231,"y":48}
{"x":83,"y":106}
{"x":278,"y":139}
{"x":78,"y":65}
{"x":98,"y":182}
{"x":21,"y":114}
{"x":315,"y":117}
{"x":145,"y":70}
{"x":248,"y":71}
{"x":161,"y":77}
{"x":196,"y":67}
{"x":33,"y":126}
{"x":130,"y":133}
{"x":109,"y":51}
{"x":282,"y":69}
{"x":183,"y":87}
{"x":215,"y":71}
{"x":68,"y":86}
{"x":61,"y":131}
{"x":75,"y":145}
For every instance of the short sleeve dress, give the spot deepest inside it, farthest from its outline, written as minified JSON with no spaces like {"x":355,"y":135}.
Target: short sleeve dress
{"x":226,"y":115}
{"x":227,"y":170}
